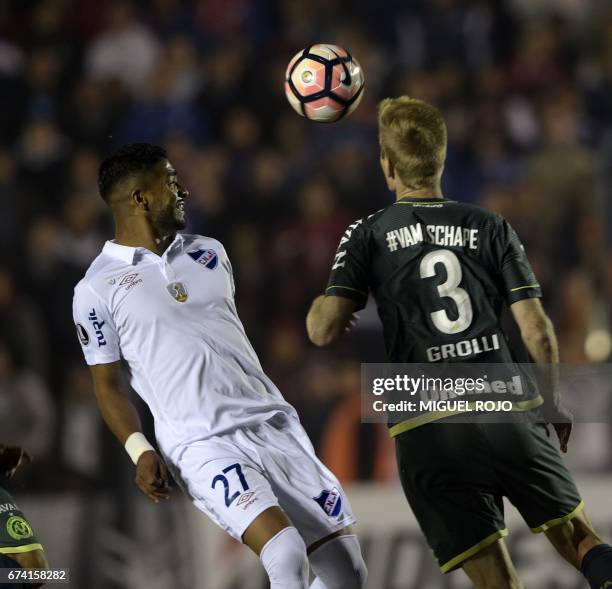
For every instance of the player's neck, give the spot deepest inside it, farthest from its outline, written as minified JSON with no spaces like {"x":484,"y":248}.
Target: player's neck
{"x":142,"y":235}
{"x":424,"y":193}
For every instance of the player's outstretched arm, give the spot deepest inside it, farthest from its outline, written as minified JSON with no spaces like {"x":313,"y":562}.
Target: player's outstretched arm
{"x":122,"y":418}
{"x":329,"y":317}
{"x":539,"y":336}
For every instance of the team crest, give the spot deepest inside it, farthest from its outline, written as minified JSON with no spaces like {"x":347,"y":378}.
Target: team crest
{"x":207,"y":258}
{"x":330,"y":502}
{"x":177,"y":291}
{"x":18,"y":528}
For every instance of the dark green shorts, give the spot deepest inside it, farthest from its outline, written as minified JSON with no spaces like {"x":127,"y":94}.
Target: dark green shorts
{"x":16,"y":534}
{"x":455,"y":475}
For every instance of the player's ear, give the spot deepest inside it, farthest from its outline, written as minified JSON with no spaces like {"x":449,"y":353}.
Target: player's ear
{"x":140,"y":199}
{"x":387,"y":166}
{"x":390,"y":169}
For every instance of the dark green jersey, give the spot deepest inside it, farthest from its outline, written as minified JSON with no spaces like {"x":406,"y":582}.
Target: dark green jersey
{"x":440,"y":272}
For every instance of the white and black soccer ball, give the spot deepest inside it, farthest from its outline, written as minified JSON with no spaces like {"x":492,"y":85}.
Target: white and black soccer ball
{"x":324,"y":83}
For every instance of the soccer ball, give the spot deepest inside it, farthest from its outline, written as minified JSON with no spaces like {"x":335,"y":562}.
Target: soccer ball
{"x":324,"y":83}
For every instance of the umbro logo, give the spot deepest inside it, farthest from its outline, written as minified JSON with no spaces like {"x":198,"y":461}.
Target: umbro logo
{"x":130,"y":280}
{"x":245,"y":497}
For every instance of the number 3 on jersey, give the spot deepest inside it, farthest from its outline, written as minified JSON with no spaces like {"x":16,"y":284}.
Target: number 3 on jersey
{"x":449,"y":288}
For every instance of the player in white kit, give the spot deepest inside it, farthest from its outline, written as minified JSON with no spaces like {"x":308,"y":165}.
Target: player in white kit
{"x":162,"y":303}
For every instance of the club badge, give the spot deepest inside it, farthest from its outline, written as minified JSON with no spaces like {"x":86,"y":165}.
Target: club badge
{"x":330,"y":502}
{"x":18,"y":528}
{"x":177,"y":291}
{"x":206,"y":258}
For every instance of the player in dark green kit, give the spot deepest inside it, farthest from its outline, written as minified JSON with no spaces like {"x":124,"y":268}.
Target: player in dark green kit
{"x":441,"y":273}
{"x":19,"y":547}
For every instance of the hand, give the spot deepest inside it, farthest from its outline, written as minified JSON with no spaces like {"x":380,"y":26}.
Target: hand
{"x":352,"y":322}
{"x":563,"y":426}
{"x":152,"y":476}
{"x":11,"y":458}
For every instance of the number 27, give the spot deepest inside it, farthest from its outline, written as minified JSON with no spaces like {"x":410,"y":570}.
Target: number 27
{"x":223,"y":479}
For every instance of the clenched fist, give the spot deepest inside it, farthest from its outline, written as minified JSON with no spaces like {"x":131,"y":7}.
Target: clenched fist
{"x":152,"y":476}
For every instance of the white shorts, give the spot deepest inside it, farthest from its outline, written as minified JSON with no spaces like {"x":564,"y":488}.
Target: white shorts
{"x":235,"y":477}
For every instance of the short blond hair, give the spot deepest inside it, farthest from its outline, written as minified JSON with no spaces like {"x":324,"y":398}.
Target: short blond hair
{"x":412,"y":136}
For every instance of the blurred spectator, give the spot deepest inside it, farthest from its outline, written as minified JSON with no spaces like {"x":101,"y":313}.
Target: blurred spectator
{"x":123,"y":36}
{"x":321,"y":222}
{"x":83,"y":175}
{"x":352,"y":450}
{"x":562,"y":172}
{"x":43,"y":78}
{"x":81,"y":434}
{"x":596,"y":75}
{"x":226,"y":69}
{"x":11,"y":71}
{"x":22,"y":328}
{"x":93,"y":110}
{"x":14,"y":201}
{"x":41,"y":153}
{"x":221,"y":20}
{"x":537,"y":65}
{"x":170,"y":17}
{"x":52,"y":273}
{"x":80,"y":238}
{"x":27,"y":412}
{"x":166,"y":104}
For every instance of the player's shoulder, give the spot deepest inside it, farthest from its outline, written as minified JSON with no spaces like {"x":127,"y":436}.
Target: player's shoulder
{"x":363,"y":224}
{"x":99,"y":275}
{"x":372,"y":218}
{"x":476,"y":210}
{"x":357,"y":231}
{"x":198,"y":246}
{"x":193,"y":240}
{"x":469,"y":214}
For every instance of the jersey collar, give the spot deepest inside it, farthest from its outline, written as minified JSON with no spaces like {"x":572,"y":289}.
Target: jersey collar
{"x":412,"y":199}
{"x":127,"y":254}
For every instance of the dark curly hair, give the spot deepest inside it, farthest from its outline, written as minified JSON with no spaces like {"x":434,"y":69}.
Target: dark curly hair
{"x":125,"y":161}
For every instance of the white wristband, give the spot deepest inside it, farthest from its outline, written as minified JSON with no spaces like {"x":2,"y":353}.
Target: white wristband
{"x":136,"y":445}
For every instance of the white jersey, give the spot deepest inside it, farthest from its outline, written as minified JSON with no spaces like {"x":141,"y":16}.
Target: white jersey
{"x":173,"y":320}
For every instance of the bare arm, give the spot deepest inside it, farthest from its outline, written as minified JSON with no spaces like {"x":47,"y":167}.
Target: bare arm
{"x":537,"y":331}
{"x":328,"y":318}
{"x":117,"y":410}
{"x":539,"y":336}
{"x":122,"y":419}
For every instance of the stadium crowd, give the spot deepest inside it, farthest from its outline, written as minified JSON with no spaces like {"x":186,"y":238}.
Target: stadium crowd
{"x":526,"y":88}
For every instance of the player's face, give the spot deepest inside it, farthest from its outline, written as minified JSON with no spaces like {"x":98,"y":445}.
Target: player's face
{"x":168,"y":203}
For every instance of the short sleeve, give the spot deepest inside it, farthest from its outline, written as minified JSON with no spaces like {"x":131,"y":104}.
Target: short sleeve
{"x":228,"y":267}
{"x":518,"y":279}
{"x":349,"y":273}
{"x":95,"y":328}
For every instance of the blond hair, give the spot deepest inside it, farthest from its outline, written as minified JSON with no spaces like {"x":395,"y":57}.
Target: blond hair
{"x":412,"y":136}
